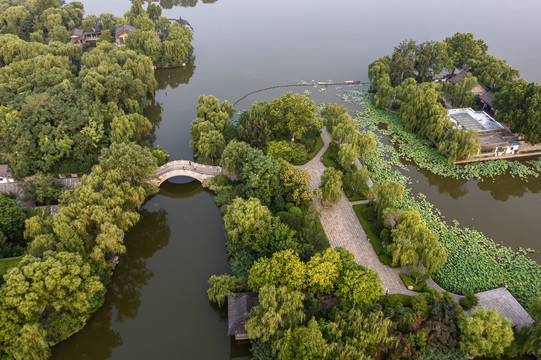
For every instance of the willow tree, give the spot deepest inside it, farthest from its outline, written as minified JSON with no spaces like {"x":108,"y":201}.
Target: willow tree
{"x":331,"y":182}
{"x":414,"y":244}
{"x":279,"y":309}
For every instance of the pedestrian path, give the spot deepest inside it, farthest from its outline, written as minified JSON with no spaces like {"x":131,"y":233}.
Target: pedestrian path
{"x":343,"y":229}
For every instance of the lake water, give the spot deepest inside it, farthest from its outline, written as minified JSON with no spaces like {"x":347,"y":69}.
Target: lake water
{"x":156,"y":307}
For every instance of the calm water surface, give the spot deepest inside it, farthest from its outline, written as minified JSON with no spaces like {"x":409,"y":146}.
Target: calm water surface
{"x":157,"y":307}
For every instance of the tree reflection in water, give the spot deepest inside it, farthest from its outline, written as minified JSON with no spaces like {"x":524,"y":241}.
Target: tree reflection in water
{"x":123,"y":296}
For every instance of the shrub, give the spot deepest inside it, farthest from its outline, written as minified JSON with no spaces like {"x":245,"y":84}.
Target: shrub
{"x":162,"y":156}
{"x":221,"y":286}
{"x":469,"y":301}
{"x":392,"y":300}
{"x":288,"y":150}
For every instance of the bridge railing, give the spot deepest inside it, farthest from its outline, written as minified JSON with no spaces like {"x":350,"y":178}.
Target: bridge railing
{"x":189,"y":166}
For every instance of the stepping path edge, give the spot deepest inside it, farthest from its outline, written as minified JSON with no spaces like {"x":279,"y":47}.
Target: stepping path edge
{"x":343,"y":229}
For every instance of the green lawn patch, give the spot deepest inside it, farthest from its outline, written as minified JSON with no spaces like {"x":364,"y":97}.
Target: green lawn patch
{"x":368,"y":228}
{"x":419,"y":287}
{"x":328,"y":159}
{"x":391,"y":300}
{"x":354,"y":196}
{"x":319,"y":144}
{"x":386,"y":259}
{"x":6,"y":264}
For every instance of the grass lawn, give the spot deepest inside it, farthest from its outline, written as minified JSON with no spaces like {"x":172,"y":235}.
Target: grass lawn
{"x":328,"y":160}
{"x":369,"y":230}
{"x":6,"y":264}
{"x":354,"y":196}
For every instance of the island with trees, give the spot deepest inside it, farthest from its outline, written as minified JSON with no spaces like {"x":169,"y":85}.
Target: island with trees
{"x":410,"y":82}
{"x":302,"y":299}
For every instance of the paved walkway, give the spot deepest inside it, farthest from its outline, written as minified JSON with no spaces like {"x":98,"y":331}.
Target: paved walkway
{"x":343,"y":228}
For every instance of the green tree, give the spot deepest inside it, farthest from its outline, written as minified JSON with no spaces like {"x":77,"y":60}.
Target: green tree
{"x":430,"y":59}
{"x":59,"y":33}
{"x":519,"y":107}
{"x":177,"y":47}
{"x":295,"y":114}
{"x":261,"y":175}
{"x":30,"y":344}
{"x":379,"y":69}
{"x":485,"y":333}
{"x":135,"y":164}
{"x":357,"y":181}
{"x":279,"y":309}
{"x":415,"y":244}
{"x":403,"y":61}
{"x":330,"y":114}
{"x":296,"y":184}
{"x":460,"y":95}
{"x":493,"y":72}
{"x":383,"y":195}
{"x":235,"y":155}
{"x":284,"y":268}
{"x":347,"y":154}
{"x":279,"y":237}
{"x":161,"y":156}
{"x":462,"y":47}
{"x":40,"y":289}
{"x":534,"y":339}
{"x":358,"y":286}
{"x":303,"y":342}
{"x":12,"y":217}
{"x":353,"y":334}
{"x":331,"y":182}
{"x":211,"y":145}
{"x":131,"y":127}
{"x":43,"y":189}
{"x":221,"y":286}
{"x":323,"y":271}
{"x":245,"y":219}
{"x":255,"y":131}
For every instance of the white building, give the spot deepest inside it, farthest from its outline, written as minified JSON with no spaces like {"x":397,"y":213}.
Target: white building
{"x":496,"y":140}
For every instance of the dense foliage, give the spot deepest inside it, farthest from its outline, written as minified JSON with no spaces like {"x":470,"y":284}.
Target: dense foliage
{"x":394,"y":79}
{"x":12,"y":218}
{"x":474,"y":262}
{"x":52,"y":291}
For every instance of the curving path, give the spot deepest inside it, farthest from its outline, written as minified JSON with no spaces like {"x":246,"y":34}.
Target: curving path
{"x":344,"y":229}
{"x":185,"y":168}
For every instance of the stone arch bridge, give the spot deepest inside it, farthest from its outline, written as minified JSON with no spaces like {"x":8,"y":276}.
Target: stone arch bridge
{"x":185,"y":168}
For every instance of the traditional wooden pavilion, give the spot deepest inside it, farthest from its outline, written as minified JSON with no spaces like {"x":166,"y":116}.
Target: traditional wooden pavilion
{"x":238,"y":307}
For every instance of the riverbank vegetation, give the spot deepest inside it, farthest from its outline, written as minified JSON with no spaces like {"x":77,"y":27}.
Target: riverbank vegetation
{"x":66,"y":109}
{"x":405,"y":82}
{"x":62,"y":105}
{"x":474,"y":262}
{"x":320,"y":303}
{"x":62,"y":278}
